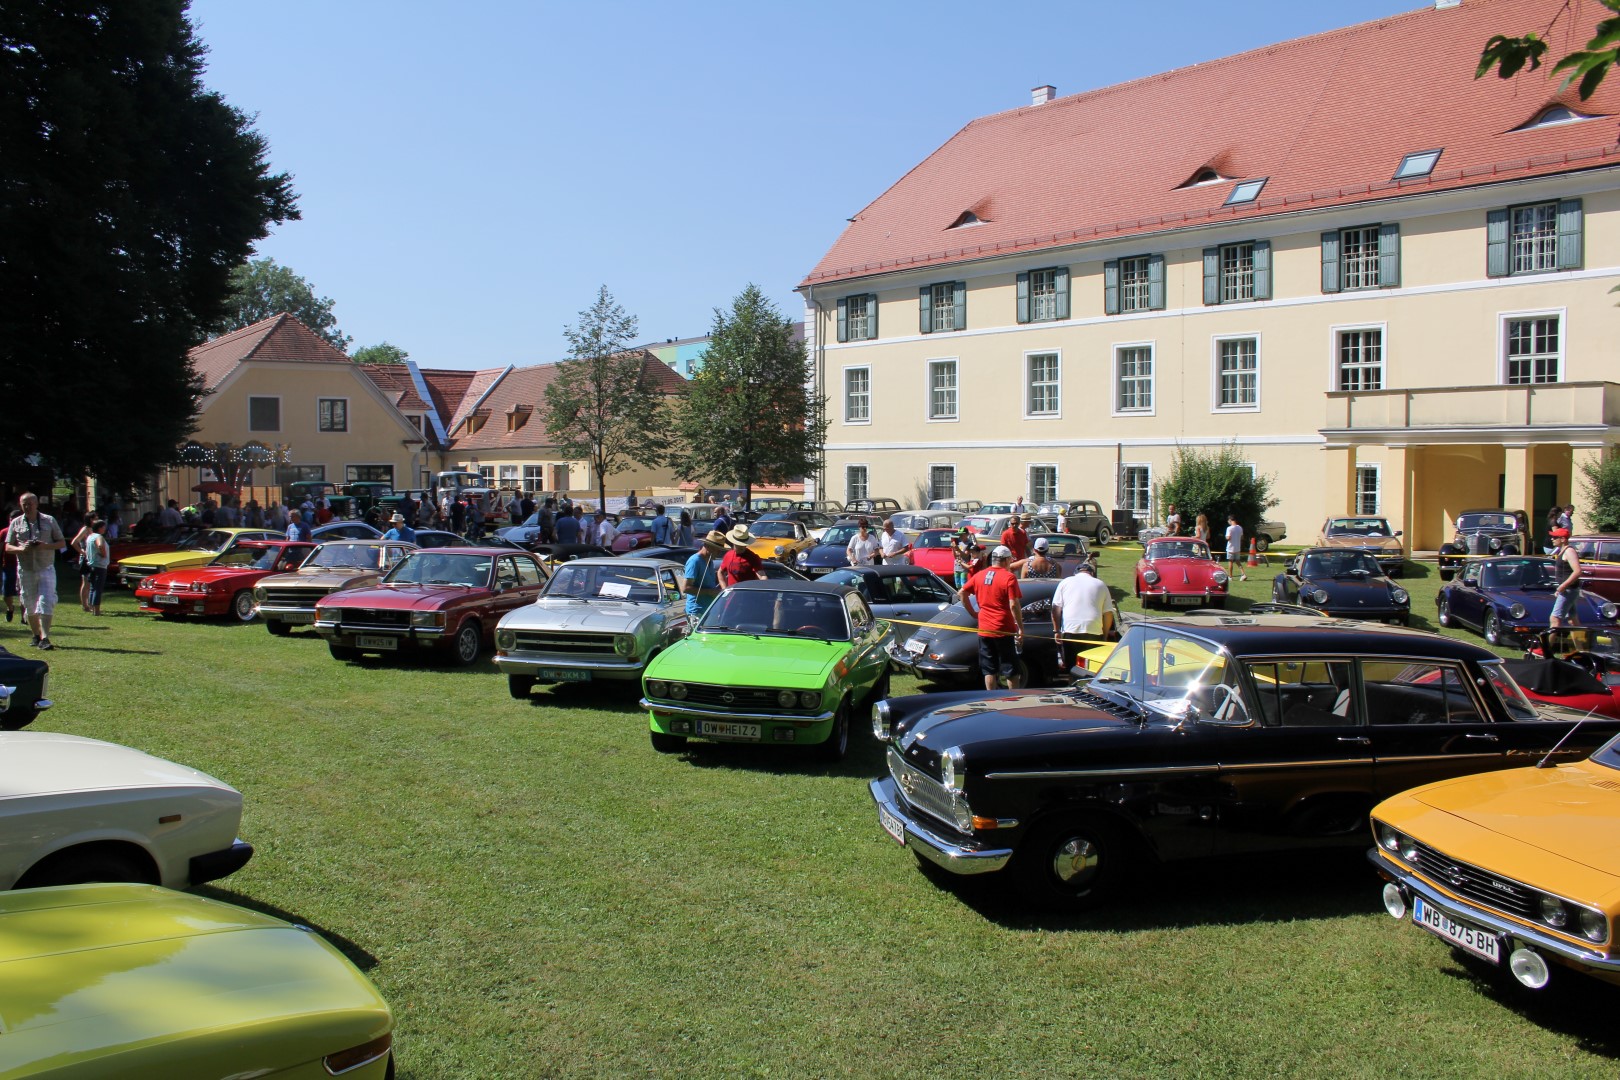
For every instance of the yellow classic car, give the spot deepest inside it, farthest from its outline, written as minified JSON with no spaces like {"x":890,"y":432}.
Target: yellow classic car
{"x":200,"y":549}
{"x":779,"y":538}
{"x":1518,"y":868}
{"x":143,"y":983}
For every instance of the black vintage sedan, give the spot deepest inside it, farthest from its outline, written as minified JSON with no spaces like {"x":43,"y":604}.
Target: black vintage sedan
{"x":22,"y":690}
{"x":1349,"y":584}
{"x":945,"y":652}
{"x":1206,"y":736}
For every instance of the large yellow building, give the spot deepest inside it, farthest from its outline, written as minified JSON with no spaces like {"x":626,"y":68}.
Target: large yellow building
{"x":1386,"y":281}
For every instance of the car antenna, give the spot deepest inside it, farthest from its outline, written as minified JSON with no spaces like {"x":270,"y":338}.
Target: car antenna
{"x":1546,"y":762}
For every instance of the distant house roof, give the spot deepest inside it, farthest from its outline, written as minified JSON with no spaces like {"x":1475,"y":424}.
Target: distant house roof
{"x":395,"y":381}
{"x":280,"y":337}
{"x":524,"y":388}
{"x":1324,"y":120}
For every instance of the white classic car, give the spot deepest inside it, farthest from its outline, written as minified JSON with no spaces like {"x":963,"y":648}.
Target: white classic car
{"x":597,"y":619}
{"x":77,"y":810}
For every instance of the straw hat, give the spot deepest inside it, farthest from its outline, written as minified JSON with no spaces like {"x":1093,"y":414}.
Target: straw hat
{"x":716,"y":539}
{"x":739,"y":536}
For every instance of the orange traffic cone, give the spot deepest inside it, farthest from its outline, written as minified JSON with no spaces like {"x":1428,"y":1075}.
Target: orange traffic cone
{"x":1254,"y":553}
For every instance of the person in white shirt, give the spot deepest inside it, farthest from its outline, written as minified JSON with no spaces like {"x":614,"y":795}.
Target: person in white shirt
{"x":894,"y":547}
{"x":605,"y":532}
{"x":1082,"y":606}
{"x":863,"y":546}
{"x":1234,"y":547}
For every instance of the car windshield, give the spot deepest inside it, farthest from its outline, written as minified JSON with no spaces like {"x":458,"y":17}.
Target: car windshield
{"x":441,"y":568}
{"x":340,"y":555}
{"x":1513,"y":699}
{"x":1470,"y":522}
{"x":1338,"y":564}
{"x":782,"y":614}
{"x":637,"y":584}
{"x":933,"y":538}
{"x":774,"y":530}
{"x":1520,"y":574}
{"x":1064,"y":545}
{"x":1178,"y":549}
{"x":212,"y":540}
{"x":1372,"y":527}
{"x":256,"y":557}
{"x":634,"y":524}
{"x":839,"y":535}
{"x":1172,"y":674}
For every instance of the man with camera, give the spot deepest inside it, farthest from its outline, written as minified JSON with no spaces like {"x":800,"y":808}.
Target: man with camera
{"x":35,"y":538}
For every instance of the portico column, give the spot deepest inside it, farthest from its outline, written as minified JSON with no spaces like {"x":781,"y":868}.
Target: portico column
{"x":1339,"y":492}
{"x":1518,"y":484}
{"x":1396,"y":496}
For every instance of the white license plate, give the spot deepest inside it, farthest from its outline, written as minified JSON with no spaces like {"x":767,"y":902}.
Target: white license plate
{"x":1479,"y":942}
{"x":1186,"y":601}
{"x":722,"y":730}
{"x":165,"y":599}
{"x":892,"y":825}
{"x":915,"y":646}
{"x":564,"y":675}
{"x":376,"y":641}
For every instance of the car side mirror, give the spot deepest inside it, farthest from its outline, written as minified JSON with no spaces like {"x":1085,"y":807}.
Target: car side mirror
{"x":1399,"y":533}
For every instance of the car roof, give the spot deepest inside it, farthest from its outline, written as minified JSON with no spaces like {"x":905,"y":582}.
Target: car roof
{"x":621,"y":560}
{"x":790,"y":585}
{"x":1490,"y":510}
{"x":888,"y":570}
{"x":470,"y":551}
{"x":1284,"y":634}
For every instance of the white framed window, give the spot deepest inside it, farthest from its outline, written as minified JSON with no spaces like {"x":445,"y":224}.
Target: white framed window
{"x":1043,"y":484}
{"x":857,"y":395}
{"x":854,"y":482}
{"x":942,"y":390}
{"x":1533,"y":347}
{"x":1358,"y":258}
{"x":264,"y":414}
{"x":1237,"y":374}
{"x":1043,"y":293}
{"x":1133,"y":379}
{"x":509,"y":476}
{"x":534,"y":478}
{"x":1358,"y":358}
{"x":1237,"y":273}
{"x":374,"y":474}
{"x":1041,"y":384}
{"x":1367,"y":490}
{"x":941,"y":482}
{"x":1136,"y":489}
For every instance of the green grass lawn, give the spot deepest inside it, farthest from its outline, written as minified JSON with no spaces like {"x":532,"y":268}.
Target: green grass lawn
{"x":538,"y":893}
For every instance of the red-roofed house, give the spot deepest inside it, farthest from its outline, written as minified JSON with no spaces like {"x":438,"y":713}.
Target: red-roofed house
{"x":1385,"y":280}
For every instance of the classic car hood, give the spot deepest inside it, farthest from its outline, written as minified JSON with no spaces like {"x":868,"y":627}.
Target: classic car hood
{"x":744,"y":660}
{"x":1368,"y":590}
{"x":157,"y":562}
{"x":315,"y":577}
{"x":205,"y":573}
{"x":403,"y":597}
{"x":44,"y":762}
{"x":1014,"y":715}
{"x":556,"y":613}
{"x":90,"y":971}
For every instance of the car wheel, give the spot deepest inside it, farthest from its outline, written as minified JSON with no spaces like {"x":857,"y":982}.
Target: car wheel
{"x":1279,"y":595}
{"x":880,"y":689}
{"x":1262,"y":542}
{"x":837,"y":744}
{"x":17,"y":717}
{"x":520,"y":685}
{"x":79,"y":866}
{"x":242,"y":606}
{"x":469,"y":640}
{"x":278,"y":628}
{"x":667,"y":744}
{"x":1442,"y":614}
{"x":1104,"y":534}
{"x":1493,"y":627}
{"x":1071,"y":861}
{"x":342,"y":652}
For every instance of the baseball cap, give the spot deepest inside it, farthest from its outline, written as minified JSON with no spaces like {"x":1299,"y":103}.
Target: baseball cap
{"x":1040,"y":543}
{"x":1559,"y":533}
{"x":1002,"y":552}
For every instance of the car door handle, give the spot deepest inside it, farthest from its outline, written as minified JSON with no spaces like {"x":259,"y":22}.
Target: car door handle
{"x":1482,"y":736}
{"x":902,"y":614}
{"x":1355,"y":740}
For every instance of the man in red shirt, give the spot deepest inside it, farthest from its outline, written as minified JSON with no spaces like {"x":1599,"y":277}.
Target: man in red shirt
{"x":995,"y":592}
{"x":740,"y":563}
{"x":1016,"y":536}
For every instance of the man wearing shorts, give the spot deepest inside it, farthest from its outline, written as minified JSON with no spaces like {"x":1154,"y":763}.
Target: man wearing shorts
{"x":1567,"y":599}
{"x":995,"y":592}
{"x":1234,"y":548}
{"x":35,"y":538}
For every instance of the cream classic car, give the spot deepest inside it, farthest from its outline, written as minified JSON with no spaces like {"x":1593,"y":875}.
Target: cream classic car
{"x":74,"y":810}
{"x":597,"y":619}
{"x":284,"y":601}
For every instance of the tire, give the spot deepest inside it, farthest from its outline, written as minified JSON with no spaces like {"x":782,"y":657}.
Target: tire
{"x":880,"y":689}
{"x":17,"y":717}
{"x":277,"y":628}
{"x":837,"y":744}
{"x":1493,"y":627}
{"x":1442,"y":614}
{"x":667,"y":744}
{"x":468,"y":643}
{"x":1072,"y":861}
{"x":79,"y":866}
{"x":242,"y":606}
{"x":1279,"y":595}
{"x":1104,"y":534}
{"x":1262,"y":542}
{"x":519,"y":686}
{"x":342,"y":652}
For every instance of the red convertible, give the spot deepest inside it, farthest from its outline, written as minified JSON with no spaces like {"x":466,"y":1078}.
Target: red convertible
{"x":444,"y":600}
{"x":1178,"y":571}
{"x":224,"y":586}
{"x":1577,"y":667}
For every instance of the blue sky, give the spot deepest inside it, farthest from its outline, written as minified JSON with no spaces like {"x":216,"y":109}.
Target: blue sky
{"x":470,"y":173}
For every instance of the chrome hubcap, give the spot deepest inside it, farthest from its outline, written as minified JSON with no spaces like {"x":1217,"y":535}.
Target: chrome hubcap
{"x":1075,"y":860}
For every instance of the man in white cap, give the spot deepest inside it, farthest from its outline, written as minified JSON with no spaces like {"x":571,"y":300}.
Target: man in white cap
{"x":1082,"y":606}
{"x":995,"y":592}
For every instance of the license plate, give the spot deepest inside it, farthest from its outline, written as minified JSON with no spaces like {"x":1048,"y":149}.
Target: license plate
{"x":1481,"y":943}
{"x":723,"y":730}
{"x":165,"y":599}
{"x":892,"y":825}
{"x":1186,"y":601}
{"x":376,"y":641}
{"x":915,"y":646}
{"x":564,"y":675}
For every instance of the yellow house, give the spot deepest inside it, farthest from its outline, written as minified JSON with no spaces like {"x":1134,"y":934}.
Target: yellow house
{"x":1386,"y":281}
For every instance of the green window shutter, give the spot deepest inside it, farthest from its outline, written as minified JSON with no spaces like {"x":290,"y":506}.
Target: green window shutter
{"x":1023,"y":298}
{"x":1330,"y":261}
{"x":843,"y":320}
{"x":1111,"y":287}
{"x":1569,"y":234}
{"x":1262,"y":270}
{"x":959,"y":294}
{"x":1389,"y":256}
{"x":1156,"y":282}
{"x":1060,"y":285}
{"x":871,"y":316}
{"x":1496,"y":243}
{"x":925,"y":310}
{"x":1212,"y":275}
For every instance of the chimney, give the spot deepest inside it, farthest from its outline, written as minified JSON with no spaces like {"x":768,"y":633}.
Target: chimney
{"x":1042,"y":94}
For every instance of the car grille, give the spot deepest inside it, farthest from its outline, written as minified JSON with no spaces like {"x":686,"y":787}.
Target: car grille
{"x":564,"y":641}
{"x":374,"y":618}
{"x":295,"y":598}
{"x":922,"y":792}
{"x":742,"y":698}
{"x":1476,"y":884}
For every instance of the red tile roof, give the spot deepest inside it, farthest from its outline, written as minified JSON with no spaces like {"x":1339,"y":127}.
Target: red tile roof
{"x":1326,"y":118}
{"x":394,"y":380}
{"x":525,"y":388}
{"x":280,"y":337}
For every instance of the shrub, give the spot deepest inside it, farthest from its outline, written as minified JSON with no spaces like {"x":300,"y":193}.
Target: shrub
{"x":1603,"y":492}
{"x":1216,"y":483}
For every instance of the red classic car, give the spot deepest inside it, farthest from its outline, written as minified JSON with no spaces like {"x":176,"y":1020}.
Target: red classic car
{"x":932,"y":549}
{"x":1179,"y":571}
{"x":634,"y":532}
{"x":225,"y":585}
{"x":444,"y":599}
{"x":1577,"y":667}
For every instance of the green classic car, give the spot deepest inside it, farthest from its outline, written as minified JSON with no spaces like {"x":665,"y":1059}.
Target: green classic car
{"x":777,"y":661}
{"x":143,"y":983}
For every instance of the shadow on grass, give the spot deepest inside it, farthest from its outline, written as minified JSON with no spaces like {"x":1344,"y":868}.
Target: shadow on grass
{"x":863,"y":761}
{"x":1571,"y":1004}
{"x":604,"y":695}
{"x":98,"y":648}
{"x":357,"y":955}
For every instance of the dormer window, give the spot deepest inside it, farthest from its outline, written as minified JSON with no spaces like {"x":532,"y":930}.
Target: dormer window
{"x":1246,"y":191}
{"x":1203,"y":178}
{"x":1418,"y":165}
{"x":966,"y":218}
{"x":475,"y":421}
{"x":518,"y":417}
{"x":1552,"y":116}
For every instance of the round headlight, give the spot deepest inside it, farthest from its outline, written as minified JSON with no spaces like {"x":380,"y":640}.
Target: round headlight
{"x":1320,"y":596}
{"x":1594,"y":927}
{"x":1400,"y":595}
{"x":1150,"y":576}
{"x":505,"y":639}
{"x":1553,"y":912}
{"x":787,"y":698}
{"x":1219,"y":577}
{"x":780,"y":551}
{"x":1388,"y":838}
{"x":882,"y":720}
{"x":1408,"y":849}
{"x":1516,"y":611}
{"x":950,"y":768}
{"x":624,"y":644}
{"x":1609,"y":611}
{"x":657,"y":687}
{"x":1496,"y":545}
{"x":810,"y":699}
{"x":677,"y":691}
{"x":259,"y":595}
{"x":199,"y":586}
{"x":803,"y":559}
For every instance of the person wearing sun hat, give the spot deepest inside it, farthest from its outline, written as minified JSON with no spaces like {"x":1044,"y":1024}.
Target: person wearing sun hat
{"x":741,"y":563}
{"x":400,"y":530}
{"x":702,"y":576}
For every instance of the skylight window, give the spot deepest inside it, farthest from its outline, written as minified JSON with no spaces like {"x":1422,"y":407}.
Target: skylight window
{"x":1417,"y":165}
{"x":1245,"y":191}
{"x":1552,"y":116}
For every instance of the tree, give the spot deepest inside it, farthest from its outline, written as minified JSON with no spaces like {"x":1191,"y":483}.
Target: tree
{"x":127,"y":192}
{"x":263,"y":288}
{"x":1216,"y":483}
{"x":1585,"y":68}
{"x":380,"y":354}
{"x":1603,"y":492}
{"x":750,"y":416}
{"x":600,"y":406}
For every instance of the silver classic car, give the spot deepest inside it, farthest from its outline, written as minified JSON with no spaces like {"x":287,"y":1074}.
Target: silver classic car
{"x":287,"y":600}
{"x":597,"y":619}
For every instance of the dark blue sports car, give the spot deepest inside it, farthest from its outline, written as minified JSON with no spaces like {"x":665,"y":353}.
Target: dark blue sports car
{"x":1341,"y":583}
{"x":1510,"y":598}
{"x":829,"y":554}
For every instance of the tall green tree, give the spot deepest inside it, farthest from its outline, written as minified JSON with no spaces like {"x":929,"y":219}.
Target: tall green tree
{"x":1216,"y":482}
{"x":263,"y":288}
{"x":1603,"y":492}
{"x":750,"y":416}
{"x":383,"y":353}
{"x":1585,"y":68}
{"x":127,"y":192}
{"x":600,"y":405}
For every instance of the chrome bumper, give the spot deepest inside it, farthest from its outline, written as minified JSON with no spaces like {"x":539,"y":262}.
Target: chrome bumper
{"x":919,"y":664}
{"x":609,"y":669}
{"x":663,"y":709}
{"x":948,"y":854}
{"x":295,"y":616}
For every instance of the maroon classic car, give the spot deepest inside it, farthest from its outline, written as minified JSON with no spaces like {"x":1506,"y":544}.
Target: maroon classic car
{"x":1600,"y":564}
{"x":444,"y":599}
{"x":1180,"y":571}
{"x":224,"y":586}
